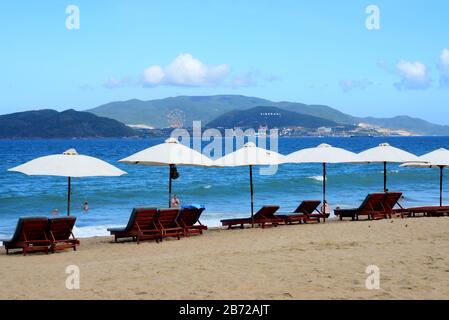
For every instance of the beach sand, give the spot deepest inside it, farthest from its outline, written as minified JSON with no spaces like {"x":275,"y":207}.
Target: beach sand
{"x":325,"y":261}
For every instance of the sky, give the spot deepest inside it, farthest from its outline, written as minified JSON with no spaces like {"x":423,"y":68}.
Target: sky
{"x":365,"y":58}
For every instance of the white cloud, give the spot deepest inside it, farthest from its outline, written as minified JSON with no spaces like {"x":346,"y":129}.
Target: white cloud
{"x":443,"y":68}
{"x":185,"y":70}
{"x":444,"y":57}
{"x":153,"y":75}
{"x":348,"y":85}
{"x":414,"y":76}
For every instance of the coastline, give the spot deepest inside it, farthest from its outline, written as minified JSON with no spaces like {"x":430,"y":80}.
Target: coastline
{"x":223,"y":191}
{"x":163,"y":137}
{"x":312,"y":261}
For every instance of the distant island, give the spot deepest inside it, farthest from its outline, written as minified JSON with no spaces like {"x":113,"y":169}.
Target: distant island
{"x":66,"y":124}
{"x":157,"y":118}
{"x":181,"y":111}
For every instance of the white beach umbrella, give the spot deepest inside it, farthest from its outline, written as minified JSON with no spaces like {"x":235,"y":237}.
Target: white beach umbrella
{"x":385,"y":153}
{"x":69,"y":164}
{"x":250,"y":155}
{"x":324,"y":154}
{"x":170,"y":153}
{"x":435,"y":159}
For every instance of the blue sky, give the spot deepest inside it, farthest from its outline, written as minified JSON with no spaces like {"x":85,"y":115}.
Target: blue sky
{"x":316,"y":52}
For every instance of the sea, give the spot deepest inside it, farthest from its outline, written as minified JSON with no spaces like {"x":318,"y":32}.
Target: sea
{"x":224,"y":192}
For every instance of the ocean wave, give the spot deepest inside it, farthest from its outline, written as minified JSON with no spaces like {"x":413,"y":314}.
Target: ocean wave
{"x":388,"y":171}
{"x":212,"y":222}
{"x":92,"y":231}
{"x":101,"y":230}
{"x":317,"y":178}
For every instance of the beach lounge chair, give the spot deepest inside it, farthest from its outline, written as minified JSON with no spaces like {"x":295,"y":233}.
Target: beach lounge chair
{"x":426,"y":211}
{"x":264,"y":217}
{"x":60,"y":233}
{"x":141,"y":226}
{"x":375,"y":206}
{"x":168,"y":224}
{"x":30,"y":236}
{"x":189,"y":220}
{"x":304,"y":213}
{"x":392,"y":199}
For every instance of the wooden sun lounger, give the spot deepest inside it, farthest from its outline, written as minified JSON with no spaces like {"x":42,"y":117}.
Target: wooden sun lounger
{"x":391,"y":201}
{"x":142,"y":225}
{"x":30,"y":236}
{"x":168,"y":224}
{"x":375,"y":206}
{"x":60,"y":233}
{"x":304,"y":213}
{"x":264,"y":217}
{"x":429,"y":211}
{"x":189,"y":220}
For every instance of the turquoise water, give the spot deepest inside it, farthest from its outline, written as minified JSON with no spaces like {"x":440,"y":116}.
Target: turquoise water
{"x":223,"y":191}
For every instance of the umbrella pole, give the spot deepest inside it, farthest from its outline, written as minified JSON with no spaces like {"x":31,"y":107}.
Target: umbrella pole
{"x":441,"y":186}
{"x":68,"y":197}
{"x":169,"y":187}
{"x":385,"y":176}
{"x":324,"y":184}
{"x":252,"y":193}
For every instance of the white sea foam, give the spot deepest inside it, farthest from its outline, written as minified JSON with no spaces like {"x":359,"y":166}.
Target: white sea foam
{"x":92,"y":231}
{"x":101,"y":230}
{"x":211,"y":222}
{"x":208,"y":186}
{"x":389,"y":171}
{"x":317,"y":178}
{"x":4,"y":237}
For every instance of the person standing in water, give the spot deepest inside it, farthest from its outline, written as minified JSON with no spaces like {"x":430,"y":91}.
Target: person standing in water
{"x":175,"y":202}
{"x":326,"y":208}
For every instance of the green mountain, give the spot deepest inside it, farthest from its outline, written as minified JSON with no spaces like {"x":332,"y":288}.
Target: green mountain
{"x":271,"y":117}
{"x":410,"y":124}
{"x":66,"y":124}
{"x":185,"y":109}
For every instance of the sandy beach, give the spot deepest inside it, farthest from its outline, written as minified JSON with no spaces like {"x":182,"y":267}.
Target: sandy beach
{"x":325,"y":261}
